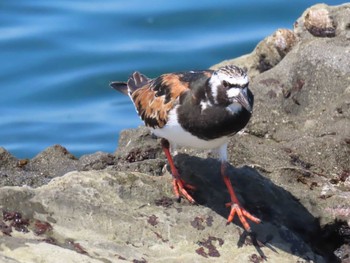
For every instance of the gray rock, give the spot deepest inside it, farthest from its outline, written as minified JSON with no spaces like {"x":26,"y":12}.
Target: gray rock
{"x":53,"y":161}
{"x":109,"y":216}
{"x":139,"y":151}
{"x":96,"y":161}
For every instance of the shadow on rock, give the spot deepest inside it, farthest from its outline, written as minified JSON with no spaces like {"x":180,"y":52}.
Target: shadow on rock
{"x":286,"y":223}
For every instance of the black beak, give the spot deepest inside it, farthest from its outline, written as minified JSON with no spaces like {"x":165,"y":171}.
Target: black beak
{"x":242,"y":99}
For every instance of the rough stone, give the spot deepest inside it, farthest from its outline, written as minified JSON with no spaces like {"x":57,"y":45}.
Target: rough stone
{"x":96,"y":161}
{"x":108,"y":216}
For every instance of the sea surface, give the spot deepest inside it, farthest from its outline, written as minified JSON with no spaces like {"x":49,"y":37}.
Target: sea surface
{"x":58,"y":57}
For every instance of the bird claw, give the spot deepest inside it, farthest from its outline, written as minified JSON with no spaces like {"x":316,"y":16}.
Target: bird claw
{"x":180,"y":190}
{"x":242,"y":214}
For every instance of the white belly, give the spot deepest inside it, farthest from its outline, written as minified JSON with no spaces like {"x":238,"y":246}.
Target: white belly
{"x":175,"y":134}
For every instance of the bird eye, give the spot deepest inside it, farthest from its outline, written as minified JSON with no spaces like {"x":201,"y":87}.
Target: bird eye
{"x":225,"y":84}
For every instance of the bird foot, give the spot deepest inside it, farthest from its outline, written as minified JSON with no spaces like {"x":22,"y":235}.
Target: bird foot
{"x":181,"y":189}
{"x":242,"y":214}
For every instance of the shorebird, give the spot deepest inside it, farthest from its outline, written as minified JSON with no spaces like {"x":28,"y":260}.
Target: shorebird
{"x":200,"y":109}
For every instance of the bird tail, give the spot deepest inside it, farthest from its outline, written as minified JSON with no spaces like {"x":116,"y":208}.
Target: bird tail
{"x":136,"y":81}
{"x":120,"y":86}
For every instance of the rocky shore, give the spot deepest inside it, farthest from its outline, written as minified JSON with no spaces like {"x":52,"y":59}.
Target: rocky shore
{"x":290,"y":167}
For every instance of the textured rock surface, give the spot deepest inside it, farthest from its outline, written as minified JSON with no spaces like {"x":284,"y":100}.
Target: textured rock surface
{"x":292,"y":170}
{"x":108,"y":216}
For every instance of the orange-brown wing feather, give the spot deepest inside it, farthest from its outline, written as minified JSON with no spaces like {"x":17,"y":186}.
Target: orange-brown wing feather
{"x":154,"y":100}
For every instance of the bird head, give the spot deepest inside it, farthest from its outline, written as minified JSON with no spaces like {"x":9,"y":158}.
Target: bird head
{"x":229,"y":87}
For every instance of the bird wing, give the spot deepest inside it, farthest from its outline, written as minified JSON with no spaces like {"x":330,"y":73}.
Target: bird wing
{"x":156,"y":98}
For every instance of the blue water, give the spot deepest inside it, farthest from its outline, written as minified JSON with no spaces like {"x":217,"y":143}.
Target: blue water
{"x":58,"y":57}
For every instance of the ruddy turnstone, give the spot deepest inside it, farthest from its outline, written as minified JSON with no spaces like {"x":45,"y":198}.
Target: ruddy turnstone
{"x":199,"y":109}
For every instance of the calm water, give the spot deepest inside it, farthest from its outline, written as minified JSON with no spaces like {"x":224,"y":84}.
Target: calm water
{"x":58,"y":57}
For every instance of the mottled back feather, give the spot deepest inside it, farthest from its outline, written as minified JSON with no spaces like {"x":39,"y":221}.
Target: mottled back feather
{"x":154,"y":98}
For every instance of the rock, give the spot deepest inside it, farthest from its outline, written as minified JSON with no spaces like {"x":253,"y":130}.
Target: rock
{"x":292,"y":171}
{"x":139,"y":151}
{"x":267,"y":54}
{"x":91,"y":221}
{"x":53,"y":161}
{"x":96,"y":161}
{"x":301,"y":118}
{"x":322,"y":21}
{"x":319,"y":23}
{"x":138,"y":145}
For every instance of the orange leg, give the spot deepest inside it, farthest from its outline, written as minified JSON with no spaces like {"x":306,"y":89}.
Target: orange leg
{"x":178,"y":184}
{"x":242,"y":214}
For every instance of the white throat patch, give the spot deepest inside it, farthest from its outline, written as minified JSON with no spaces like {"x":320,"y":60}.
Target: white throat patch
{"x":233,"y":92}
